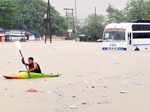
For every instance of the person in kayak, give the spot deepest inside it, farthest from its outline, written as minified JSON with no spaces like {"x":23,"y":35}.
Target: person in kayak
{"x":32,"y":66}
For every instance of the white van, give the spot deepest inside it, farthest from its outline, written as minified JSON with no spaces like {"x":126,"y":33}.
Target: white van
{"x":127,"y":36}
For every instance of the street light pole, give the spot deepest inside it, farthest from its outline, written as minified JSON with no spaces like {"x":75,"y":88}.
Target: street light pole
{"x":96,"y":23}
{"x":48,"y":23}
{"x":70,"y":20}
{"x":75,"y":16}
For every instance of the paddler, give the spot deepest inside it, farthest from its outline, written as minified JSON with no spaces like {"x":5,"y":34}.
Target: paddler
{"x":32,"y":66}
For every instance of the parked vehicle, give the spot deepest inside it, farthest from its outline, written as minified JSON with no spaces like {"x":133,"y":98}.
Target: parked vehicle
{"x":15,"y":35}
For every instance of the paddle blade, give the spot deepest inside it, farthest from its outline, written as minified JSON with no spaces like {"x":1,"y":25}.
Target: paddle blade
{"x":18,"y":45}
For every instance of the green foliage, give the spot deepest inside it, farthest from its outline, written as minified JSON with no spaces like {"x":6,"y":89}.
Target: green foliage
{"x":29,"y":15}
{"x":138,"y":9}
{"x":58,"y":23}
{"x":7,"y":11}
{"x":94,"y":27}
{"x":115,"y":15}
{"x":135,"y":10}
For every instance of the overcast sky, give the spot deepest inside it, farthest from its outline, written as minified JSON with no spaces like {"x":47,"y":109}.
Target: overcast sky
{"x":86,"y":7}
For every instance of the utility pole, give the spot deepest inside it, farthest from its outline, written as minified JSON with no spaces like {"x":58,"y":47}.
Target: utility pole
{"x":75,"y":21}
{"x":48,"y":23}
{"x":96,"y":23}
{"x":70,"y":20}
{"x":95,"y":12}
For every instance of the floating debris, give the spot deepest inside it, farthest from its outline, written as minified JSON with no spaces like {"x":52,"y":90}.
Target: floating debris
{"x":104,"y":96}
{"x":105,"y":87}
{"x":99,"y":103}
{"x":84,"y":103}
{"x":5,"y":89}
{"x":93,"y":87}
{"x":73,"y":107}
{"x":123,"y":92}
{"x":73,"y":96}
{"x":31,"y":90}
{"x":60,"y":95}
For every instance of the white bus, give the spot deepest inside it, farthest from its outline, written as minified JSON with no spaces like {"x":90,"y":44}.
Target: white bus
{"x":15,"y":35}
{"x":127,"y":36}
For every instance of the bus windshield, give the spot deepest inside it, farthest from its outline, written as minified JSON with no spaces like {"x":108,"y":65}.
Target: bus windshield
{"x":114,"y":35}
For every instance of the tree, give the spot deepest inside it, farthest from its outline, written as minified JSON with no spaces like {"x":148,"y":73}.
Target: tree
{"x":29,"y":15}
{"x":94,"y":27}
{"x":58,"y":23}
{"x":138,"y":9}
{"x":135,"y":10}
{"x":7,"y":12}
{"x":115,"y":15}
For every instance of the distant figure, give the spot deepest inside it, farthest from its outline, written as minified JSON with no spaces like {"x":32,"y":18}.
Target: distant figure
{"x":137,"y":49}
{"x":27,"y":35}
{"x":33,"y":67}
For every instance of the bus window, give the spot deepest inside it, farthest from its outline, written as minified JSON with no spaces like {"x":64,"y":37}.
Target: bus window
{"x":141,"y":35}
{"x":141,"y":27}
{"x":129,"y":38}
{"x":114,"y":35}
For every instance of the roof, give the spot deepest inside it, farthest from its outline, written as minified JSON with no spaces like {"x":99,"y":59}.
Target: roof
{"x":124,"y":25}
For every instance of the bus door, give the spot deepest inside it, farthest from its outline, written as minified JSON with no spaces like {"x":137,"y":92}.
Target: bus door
{"x":130,"y":38}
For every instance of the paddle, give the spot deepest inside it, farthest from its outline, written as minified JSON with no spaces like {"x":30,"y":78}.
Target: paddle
{"x":18,"y":46}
